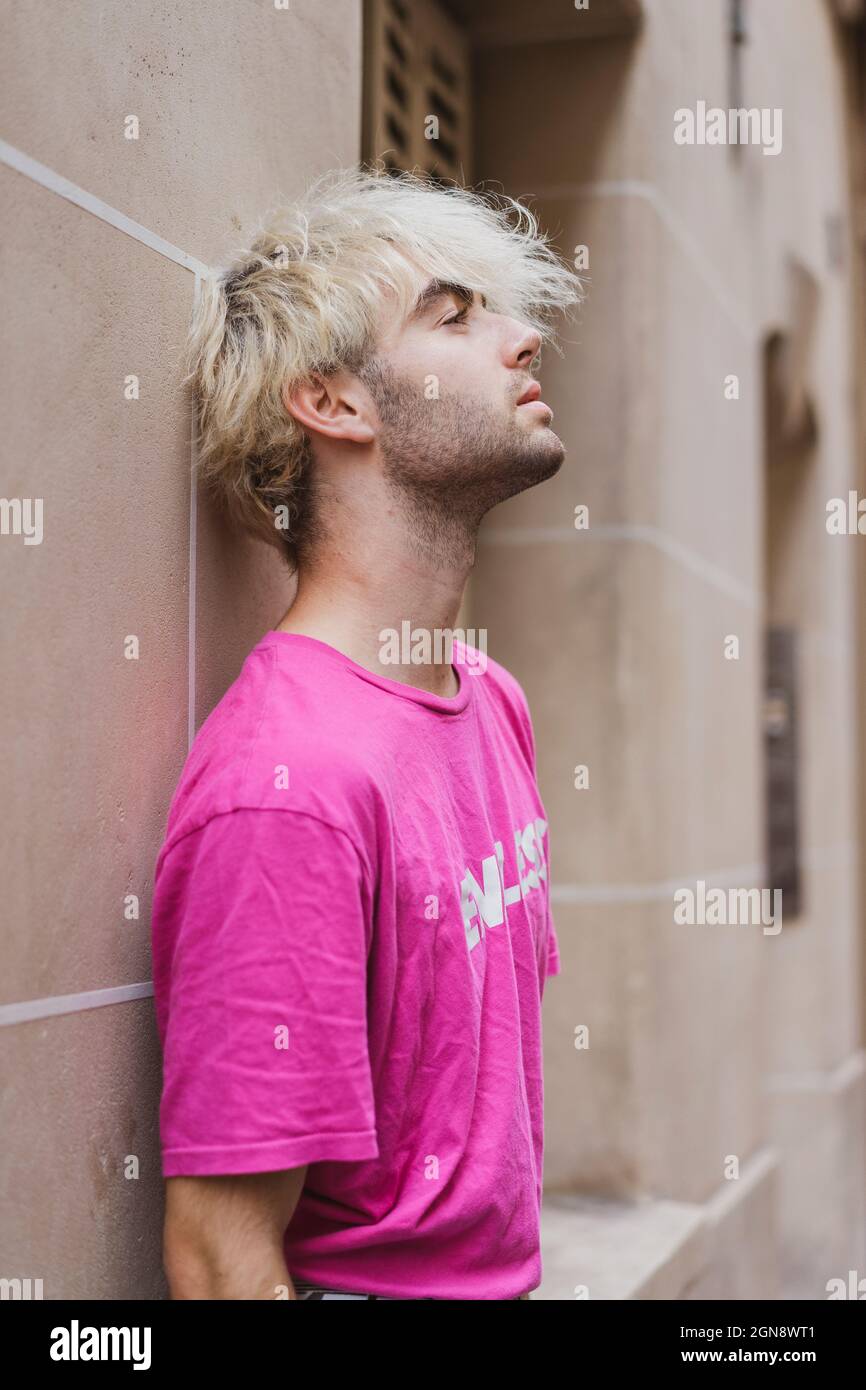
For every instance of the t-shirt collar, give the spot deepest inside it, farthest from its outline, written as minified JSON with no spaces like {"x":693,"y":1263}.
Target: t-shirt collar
{"x":466,"y":672}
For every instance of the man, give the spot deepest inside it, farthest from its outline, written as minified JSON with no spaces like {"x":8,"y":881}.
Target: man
{"x":351,"y":924}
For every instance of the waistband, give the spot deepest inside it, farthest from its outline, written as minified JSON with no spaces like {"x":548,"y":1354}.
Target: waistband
{"x":315,"y":1292}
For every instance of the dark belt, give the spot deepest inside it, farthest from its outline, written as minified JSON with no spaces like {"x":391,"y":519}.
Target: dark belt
{"x":316,"y":1292}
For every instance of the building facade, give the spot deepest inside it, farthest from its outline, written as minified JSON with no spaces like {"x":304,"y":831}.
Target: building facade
{"x":687,"y":629}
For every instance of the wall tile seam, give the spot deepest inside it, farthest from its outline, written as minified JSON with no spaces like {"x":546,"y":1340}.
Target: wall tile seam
{"x":668,"y":545}
{"x":56,"y":1004}
{"x":579,"y":894}
{"x":811,"y":856}
{"x":851,"y":1070}
{"x":48,"y":178}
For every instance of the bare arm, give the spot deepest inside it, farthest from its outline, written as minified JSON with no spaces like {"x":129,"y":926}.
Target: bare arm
{"x":223,"y":1236}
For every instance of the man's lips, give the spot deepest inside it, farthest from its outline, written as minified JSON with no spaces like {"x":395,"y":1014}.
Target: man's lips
{"x":531,"y":396}
{"x":531,"y":393}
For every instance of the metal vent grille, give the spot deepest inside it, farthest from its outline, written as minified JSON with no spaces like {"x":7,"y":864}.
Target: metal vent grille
{"x":416,"y":89}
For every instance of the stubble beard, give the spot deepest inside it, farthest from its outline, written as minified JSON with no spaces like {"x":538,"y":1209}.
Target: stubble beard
{"x":448,"y":461}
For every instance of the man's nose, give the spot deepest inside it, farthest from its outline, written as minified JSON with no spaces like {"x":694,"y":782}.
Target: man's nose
{"x":526,"y":345}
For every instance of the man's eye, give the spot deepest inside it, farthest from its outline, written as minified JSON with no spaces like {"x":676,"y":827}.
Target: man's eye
{"x":458,"y":318}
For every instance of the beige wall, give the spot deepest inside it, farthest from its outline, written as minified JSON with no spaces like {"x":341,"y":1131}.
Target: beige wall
{"x":236,"y":105}
{"x":705,"y":1042}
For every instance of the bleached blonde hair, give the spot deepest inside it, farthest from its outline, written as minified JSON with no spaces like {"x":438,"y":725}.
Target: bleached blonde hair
{"x":306,"y":297}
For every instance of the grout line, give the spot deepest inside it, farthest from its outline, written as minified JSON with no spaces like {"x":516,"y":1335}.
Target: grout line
{"x":852,"y":1068}
{"x":40,"y":173}
{"x":649,"y":892}
{"x":649,"y":535}
{"x":55,"y":1004}
{"x":193,"y":538}
{"x":814,"y":856}
{"x":638,"y":188}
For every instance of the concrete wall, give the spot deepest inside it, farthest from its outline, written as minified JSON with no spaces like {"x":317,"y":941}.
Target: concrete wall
{"x":705,"y":1042}
{"x":236,"y":105}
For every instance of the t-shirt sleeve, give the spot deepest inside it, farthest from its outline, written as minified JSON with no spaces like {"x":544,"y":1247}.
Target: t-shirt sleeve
{"x":261,"y":928}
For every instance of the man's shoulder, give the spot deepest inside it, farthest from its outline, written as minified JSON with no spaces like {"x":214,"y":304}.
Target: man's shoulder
{"x":499,"y":680}
{"x":503,"y":695}
{"x":275,"y":741}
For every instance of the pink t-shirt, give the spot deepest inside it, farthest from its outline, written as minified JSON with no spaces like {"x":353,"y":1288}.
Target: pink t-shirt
{"x":351,"y":933}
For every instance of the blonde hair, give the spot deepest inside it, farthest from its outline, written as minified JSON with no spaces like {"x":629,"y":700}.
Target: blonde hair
{"x":306,"y":297}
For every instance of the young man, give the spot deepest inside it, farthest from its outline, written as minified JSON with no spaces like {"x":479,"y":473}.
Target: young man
{"x":351,"y":923}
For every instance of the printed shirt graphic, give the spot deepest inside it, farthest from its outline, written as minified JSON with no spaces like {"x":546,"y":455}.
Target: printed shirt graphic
{"x":351,"y":933}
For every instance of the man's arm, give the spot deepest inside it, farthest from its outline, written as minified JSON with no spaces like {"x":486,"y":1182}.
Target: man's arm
{"x":223,"y":1236}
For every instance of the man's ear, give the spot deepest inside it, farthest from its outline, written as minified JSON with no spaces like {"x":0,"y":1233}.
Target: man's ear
{"x":336,"y":406}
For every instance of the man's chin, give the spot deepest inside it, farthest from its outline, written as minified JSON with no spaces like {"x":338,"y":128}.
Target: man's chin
{"x":551,"y":455}
{"x":535,"y":465}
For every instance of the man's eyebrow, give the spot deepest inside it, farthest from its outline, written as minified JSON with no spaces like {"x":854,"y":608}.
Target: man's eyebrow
{"x":440,"y":289}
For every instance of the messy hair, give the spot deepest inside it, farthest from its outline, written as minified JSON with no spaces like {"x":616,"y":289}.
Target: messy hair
{"x":306,"y":296}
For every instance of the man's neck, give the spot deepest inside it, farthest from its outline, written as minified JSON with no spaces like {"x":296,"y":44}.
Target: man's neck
{"x":360,"y":604}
